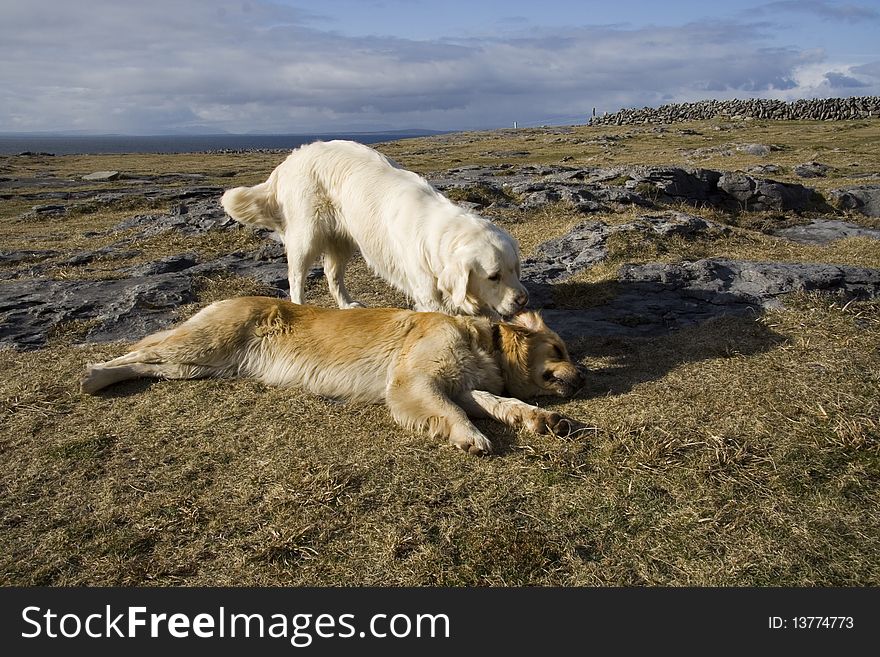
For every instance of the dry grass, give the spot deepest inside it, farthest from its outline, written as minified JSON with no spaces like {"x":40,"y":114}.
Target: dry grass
{"x":743,"y":452}
{"x":850,"y":147}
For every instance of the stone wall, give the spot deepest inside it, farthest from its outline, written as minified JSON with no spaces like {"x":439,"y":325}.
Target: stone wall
{"x":819,"y":109}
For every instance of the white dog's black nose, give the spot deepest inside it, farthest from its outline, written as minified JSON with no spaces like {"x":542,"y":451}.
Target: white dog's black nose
{"x":522,"y":299}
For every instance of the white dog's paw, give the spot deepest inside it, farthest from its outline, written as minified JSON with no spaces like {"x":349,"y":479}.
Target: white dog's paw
{"x":471,"y":441}
{"x":353,"y":304}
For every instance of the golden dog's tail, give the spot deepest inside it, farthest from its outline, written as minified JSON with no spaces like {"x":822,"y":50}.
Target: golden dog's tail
{"x":254,"y":205}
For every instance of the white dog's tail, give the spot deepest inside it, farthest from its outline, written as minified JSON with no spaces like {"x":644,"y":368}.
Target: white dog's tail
{"x":254,"y":205}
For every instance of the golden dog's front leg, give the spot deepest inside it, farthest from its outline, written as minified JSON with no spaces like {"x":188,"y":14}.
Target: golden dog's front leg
{"x":516,"y":413}
{"x":417,"y":402}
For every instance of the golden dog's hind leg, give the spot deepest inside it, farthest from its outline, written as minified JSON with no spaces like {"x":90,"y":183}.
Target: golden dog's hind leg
{"x":142,"y":363}
{"x":516,"y":413}
{"x":417,"y":402}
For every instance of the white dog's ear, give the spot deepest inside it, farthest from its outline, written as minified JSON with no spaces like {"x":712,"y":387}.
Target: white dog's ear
{"x":531,"y":320}
{"x":453,"y":282}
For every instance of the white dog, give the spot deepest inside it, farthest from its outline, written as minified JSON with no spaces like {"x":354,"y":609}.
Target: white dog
{"x":337,"y":196}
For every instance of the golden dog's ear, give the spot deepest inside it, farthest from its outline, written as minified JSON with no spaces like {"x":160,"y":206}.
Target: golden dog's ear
{"x":453,"y":282}
{"x":531,"y":320}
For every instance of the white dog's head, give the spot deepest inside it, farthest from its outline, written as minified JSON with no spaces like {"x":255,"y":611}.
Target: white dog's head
{"x":481,"y":275}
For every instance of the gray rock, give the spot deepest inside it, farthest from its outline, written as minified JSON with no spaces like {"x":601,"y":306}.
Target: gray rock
{"x":26,"y":255}
{"x":121,"y":309}
{"x":142,"y":306}
{"x":539,"y":194}
{"x":49,"y":210}
{"x":102,"y":176}
{"x":654,"y":299}
{"x":676,"y":184}
{"x":200,"y":216}
{"x":585,"y":245}
{"x":756,"y":283}
{"x":167,"y":265}
{"x":754,"y":149}
{"x":649,"y":298}
{"x":811,"y":170}
{"x":759,"y":194}
{"x":589,"y":189}
{"x":864,"y":199}
{"x":823,"y":231}
{"x":126,"y":309}
{"x":679,"y":224}
{"x":201,"y":192}
{"x":562,"y":257}
{"x":74,"y":198}
{"x":541,"y":198}
{"x":273,"y":274}
{"x":764,"y":169}
{"x":620,"y":196}
{"x":113,"y":251}
{"x":271,"y":250}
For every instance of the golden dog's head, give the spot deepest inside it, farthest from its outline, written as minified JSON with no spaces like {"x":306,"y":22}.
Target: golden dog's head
{"x":535,"y":361}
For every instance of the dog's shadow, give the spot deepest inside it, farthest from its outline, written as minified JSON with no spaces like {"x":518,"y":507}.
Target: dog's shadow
{"x":630,"y":333}
{"x":129,"y":388}
{"x":620,"y":345}
{"x":623,"y":335}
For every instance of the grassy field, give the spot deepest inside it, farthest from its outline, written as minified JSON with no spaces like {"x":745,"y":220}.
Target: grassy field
{"x":743,"y":452}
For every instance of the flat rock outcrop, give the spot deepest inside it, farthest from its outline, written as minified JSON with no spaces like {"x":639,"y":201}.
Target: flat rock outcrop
{"x":653,"y":299}
{"x":823,"y":231}
{"x":597,"y":189}
{"x":864,"y":199}
{"x":146,"y":300}
{"x":585,"y":245}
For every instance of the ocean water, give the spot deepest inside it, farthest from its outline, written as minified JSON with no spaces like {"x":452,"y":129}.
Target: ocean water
{"x":68,"y":145}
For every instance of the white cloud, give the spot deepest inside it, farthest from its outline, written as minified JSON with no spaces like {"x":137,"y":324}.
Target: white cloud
{"x":846,"y":12}
{"x":256,"y":67}
{"x":831,"y":80}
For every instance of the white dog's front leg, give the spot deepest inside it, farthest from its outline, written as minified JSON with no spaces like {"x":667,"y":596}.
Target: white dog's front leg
{"x":296,"y":281}
{"x":426,"y":299}
{"x":516,"y":413}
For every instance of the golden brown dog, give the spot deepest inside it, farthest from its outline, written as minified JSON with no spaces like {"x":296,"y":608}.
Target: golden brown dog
{"x":432,"y":370}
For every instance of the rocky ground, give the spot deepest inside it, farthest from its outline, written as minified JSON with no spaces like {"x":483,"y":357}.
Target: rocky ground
{"x":717,"y":279}
{"x":651,"y":298}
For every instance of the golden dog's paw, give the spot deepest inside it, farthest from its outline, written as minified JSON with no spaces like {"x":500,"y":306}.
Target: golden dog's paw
{"x":472,"y":442}
{"x":88,"y":383}
{"x":543,"y":422}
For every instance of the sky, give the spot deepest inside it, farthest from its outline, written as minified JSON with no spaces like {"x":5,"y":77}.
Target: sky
{"x":295,"y":67}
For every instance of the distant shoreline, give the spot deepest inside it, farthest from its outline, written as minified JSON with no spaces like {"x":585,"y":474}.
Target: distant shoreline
{"x":119,"y":144}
